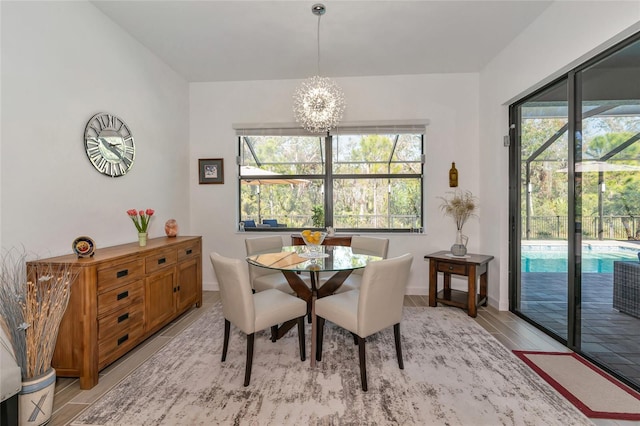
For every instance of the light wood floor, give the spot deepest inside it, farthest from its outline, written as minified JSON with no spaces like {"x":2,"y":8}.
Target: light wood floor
{"x":70,"y":400}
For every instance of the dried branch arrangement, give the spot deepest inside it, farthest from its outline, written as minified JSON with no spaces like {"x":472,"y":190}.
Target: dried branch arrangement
{"x":461,"y":205}
{"x":32,"y":308}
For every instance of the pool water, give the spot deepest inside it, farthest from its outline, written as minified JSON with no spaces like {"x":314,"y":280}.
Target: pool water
{"x":554,"y":258}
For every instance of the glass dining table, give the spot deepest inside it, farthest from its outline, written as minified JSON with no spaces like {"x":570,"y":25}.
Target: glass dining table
{"x":294,"y":261}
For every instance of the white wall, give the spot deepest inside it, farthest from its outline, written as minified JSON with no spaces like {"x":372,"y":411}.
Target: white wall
{"x":564,"y":36}
{"x":63,"y":62}
{"x":450,"y":102}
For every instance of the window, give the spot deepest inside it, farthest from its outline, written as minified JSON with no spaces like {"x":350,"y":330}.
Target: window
{"x":356,"y":179}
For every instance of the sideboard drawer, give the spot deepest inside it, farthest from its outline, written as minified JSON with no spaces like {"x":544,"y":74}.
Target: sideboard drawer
{"x":120,"y":321}
{"x":126,"y":295}
{"x":118,"y":275}
{"x":115,"y":346}
{"x":452,"y":268}
{"x":160,"y":260}
{"x":188,"y":251}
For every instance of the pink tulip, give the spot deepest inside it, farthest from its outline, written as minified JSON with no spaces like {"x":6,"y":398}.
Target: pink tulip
{"x":140,"y":218}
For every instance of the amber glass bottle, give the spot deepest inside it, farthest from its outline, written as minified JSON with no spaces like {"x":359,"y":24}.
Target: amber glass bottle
{"x":453,"y":176}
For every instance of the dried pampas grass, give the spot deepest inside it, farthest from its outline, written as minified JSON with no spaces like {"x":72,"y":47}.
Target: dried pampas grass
{"x":461,"y":205}
{"x":32,"y":307}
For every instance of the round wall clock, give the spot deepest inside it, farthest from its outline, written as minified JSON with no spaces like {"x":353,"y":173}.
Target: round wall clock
{"x":109,"y":144}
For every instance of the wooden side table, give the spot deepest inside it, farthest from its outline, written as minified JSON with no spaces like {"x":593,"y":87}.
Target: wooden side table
{"x":471,"y":266}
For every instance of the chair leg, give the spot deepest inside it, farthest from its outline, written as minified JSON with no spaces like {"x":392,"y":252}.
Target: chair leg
{"x":396,"y":333}
{"x":355,"y":338}
{"x":301,"y":338}
{"x":274,"y":333}
{"x":319,"y":337}
{"x":247,"y":371}
{"x":363,"y":362}
{"x":225,"y":345}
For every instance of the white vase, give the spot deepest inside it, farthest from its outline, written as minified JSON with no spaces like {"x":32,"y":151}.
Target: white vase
{"x":35,"y":401}
{"x":142,"y":238}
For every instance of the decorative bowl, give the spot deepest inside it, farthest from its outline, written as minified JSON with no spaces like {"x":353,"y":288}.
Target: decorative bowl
{"x":313,"y":238}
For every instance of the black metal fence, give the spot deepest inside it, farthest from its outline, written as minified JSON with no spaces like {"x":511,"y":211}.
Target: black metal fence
{"x":556,"y":227}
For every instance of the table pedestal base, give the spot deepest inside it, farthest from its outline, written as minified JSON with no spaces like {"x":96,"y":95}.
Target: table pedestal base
{"x":309,"y":295}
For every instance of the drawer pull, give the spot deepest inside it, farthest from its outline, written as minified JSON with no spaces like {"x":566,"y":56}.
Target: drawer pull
{"x":123,"y":339}
{"x":123,"y":295}
{"x":123,"y":317}
{"x":189,"y":251}
{"x":161,"y":260}
{"x":175,"y":289}
{"x":122,"y":273}
{"x":178,"y":288}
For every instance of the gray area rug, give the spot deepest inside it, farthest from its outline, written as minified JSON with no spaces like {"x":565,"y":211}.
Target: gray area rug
{"x":455,"y":374}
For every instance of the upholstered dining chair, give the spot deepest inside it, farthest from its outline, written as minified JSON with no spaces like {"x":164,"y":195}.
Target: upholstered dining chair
{"x":252,"y":312}
{"x":374,"y":307}
{"x":263,"y":278}
{"x":372,"y":246}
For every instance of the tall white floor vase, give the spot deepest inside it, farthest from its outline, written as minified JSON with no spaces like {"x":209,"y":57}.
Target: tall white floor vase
{"x":35,"y":402}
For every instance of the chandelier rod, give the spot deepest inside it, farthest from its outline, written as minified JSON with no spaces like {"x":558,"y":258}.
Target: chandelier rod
{"x":319,"y":16}
{"x":318,"y":9}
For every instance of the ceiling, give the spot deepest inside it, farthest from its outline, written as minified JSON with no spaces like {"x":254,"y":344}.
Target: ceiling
{"x":266,"y":40}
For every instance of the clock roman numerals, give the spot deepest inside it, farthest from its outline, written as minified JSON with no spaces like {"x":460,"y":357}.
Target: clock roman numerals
{"x":109,"y":145}
{"x":107,"y":121}
{"x":102,"y":164}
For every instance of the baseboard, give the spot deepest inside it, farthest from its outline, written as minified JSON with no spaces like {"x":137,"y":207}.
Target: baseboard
{"x":210,"y":286}
{"x":417,"y":291}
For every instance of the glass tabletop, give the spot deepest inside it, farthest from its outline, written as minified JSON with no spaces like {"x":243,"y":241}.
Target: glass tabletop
{"x":299,"y":258}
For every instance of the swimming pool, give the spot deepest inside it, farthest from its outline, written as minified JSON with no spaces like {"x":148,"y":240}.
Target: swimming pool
{"x":553,"y":258}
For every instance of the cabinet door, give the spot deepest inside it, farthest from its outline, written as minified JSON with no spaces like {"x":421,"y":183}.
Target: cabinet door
{"x":187,"y":283}
{"x":159,"y":297}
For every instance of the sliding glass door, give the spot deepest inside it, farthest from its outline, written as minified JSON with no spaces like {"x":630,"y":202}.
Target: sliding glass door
{"x":575,"y":204}
{"x":543,"y":208}
{"x":609,"y":168}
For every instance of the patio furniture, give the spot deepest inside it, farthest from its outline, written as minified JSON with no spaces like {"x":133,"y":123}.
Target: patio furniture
{"x":626,"y":287}
{"x":273,"y":223}
{"x":250,"y":223}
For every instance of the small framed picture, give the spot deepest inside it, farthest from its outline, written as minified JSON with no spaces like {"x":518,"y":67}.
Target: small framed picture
{"x":211,"y":170}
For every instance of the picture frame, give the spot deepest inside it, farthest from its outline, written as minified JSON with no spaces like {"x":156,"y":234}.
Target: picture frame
{"x":211,"y":170}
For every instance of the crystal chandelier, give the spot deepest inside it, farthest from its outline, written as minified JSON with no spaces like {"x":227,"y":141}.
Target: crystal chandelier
{"x":318,"y":103}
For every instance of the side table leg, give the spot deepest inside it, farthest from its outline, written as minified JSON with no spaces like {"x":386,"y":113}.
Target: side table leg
{"x":471,"y":300}
{"x":433,"y":282}
{"x":483,"y":288}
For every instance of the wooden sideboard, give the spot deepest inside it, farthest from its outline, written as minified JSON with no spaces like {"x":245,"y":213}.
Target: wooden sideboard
{"x":124,"y":294}
{"x":333,"y":240}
